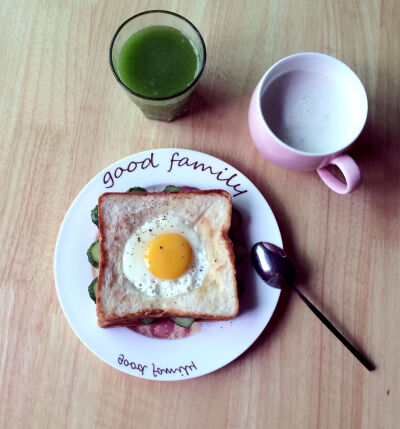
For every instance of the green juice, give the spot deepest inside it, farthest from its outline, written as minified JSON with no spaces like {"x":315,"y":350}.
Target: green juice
{"x":158,"y":61}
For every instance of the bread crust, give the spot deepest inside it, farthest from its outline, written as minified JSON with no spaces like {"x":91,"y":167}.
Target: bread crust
{"x":105,"y":319}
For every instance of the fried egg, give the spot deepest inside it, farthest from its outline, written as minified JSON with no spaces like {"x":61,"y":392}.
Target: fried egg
{"x":165,"y":256}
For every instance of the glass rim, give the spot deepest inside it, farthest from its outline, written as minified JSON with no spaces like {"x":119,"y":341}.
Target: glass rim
{"x":170,"y":97}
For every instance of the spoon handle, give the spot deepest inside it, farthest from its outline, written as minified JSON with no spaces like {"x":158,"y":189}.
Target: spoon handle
{"x":369,"y":365}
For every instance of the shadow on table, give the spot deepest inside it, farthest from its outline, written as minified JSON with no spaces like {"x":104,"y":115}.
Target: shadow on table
{"x":208,"y":99}
{"x":364,"y":154}
{"x":378,"y":155}
{"x":295,"y":252}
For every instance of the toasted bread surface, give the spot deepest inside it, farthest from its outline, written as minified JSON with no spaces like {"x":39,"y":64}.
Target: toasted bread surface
{"x":119,"y":302}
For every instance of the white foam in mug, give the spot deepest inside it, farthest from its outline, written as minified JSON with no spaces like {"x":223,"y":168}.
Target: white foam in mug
{"x":304,"y":110}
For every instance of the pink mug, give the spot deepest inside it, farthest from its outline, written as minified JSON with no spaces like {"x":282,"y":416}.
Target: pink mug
{"x":305,"y":113}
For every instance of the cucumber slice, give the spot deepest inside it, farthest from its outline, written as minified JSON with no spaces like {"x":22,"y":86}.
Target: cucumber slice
{"x":92,"y":289}
{"x":147,"y":320}
{"x":236,"y":220}
{"x":137,"y":189}
{"x":172,"y":188}
{"x":184,"y":322}
{"x":93,"y":254}
{"x":94,"y":214}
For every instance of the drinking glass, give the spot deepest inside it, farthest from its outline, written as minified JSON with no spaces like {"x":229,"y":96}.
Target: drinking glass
{"x":163,"y":108}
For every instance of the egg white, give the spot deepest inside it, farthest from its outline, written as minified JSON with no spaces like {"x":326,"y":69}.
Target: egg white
{"x":133,"y":261}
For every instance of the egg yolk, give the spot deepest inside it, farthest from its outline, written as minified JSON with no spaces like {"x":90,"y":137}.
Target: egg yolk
{"x":168,"y":256}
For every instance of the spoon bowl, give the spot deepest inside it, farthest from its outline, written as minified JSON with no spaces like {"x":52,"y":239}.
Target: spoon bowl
{"x":273,"y":265}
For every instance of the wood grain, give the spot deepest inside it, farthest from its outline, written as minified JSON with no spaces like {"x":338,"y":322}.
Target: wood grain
{"x":63,"y":118}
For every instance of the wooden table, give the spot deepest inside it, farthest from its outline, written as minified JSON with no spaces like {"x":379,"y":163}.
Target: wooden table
{"x":64,"y":118}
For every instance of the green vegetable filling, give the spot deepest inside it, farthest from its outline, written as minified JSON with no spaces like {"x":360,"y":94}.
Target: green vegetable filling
{"x":93,"y":254}
{"x":92,"y":289}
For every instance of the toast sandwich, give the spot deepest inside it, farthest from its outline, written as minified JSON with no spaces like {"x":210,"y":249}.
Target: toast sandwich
{"x":208,"y":293}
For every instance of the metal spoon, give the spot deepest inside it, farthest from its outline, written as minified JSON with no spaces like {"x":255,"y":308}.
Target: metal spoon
{"x":278,"y":271}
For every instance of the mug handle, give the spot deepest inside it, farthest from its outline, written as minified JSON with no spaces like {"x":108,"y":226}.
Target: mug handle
{"x":351,"y":173}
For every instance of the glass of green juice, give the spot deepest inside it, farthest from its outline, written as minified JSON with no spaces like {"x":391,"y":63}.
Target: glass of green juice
{"x":158,"y":57}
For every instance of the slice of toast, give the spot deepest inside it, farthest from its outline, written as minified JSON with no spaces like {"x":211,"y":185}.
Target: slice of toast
{"x":120,"y":214}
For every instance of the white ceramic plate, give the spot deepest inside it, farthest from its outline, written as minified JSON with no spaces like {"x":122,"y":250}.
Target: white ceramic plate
{"x":217,"y":343}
